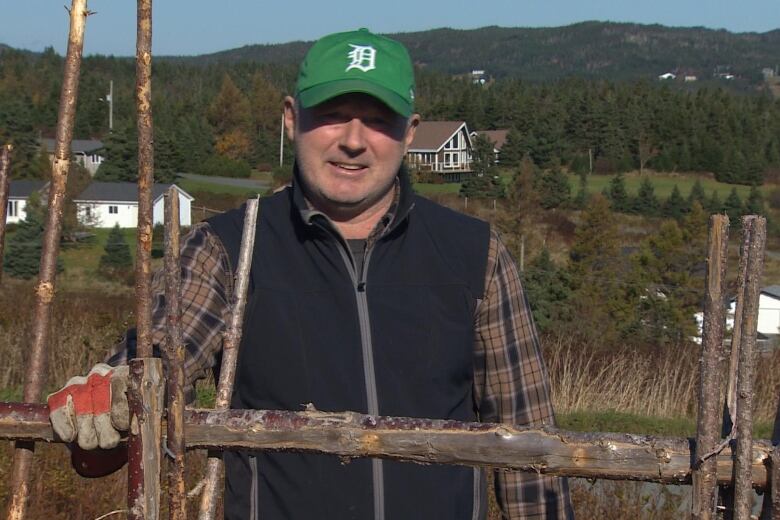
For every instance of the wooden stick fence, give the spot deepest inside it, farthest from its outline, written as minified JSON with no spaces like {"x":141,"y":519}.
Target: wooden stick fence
{"x":705,"y":462}
{"x":44,"y":290}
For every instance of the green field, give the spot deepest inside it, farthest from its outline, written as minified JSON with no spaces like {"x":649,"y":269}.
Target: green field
{"x":192,"y":186}
{"x":663,"y":183}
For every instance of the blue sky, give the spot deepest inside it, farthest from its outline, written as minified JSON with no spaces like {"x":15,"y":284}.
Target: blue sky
{"x":189,"y":27}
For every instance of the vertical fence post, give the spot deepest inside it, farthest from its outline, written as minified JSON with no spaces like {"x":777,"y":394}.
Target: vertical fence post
{"x":174,"y":352}
{"x":145,"y":398}
{"x":5,"y":172}
{"x":743,"y":482}
{"x":705,"y":484}
{"x":227,"y":374}
{"x":44,"y":291}
{"x":142,"y":446}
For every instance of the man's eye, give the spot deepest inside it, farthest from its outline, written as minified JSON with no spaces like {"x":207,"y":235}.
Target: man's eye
{"x":333,"y":117}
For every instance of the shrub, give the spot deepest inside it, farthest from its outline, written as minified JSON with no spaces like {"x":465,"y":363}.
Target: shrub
{"x":116,"y":261}
{"x":221,"y":166}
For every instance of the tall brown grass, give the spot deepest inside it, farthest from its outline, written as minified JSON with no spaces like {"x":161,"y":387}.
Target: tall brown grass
{"x":659,"y":382}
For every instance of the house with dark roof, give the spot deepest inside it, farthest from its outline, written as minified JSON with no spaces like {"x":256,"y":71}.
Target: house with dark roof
{"x":105,"y":204}
{"x":86,"y":152}
{"x":497,"y":137}
{"x":441,"y":146}
{"x":19,"y":192}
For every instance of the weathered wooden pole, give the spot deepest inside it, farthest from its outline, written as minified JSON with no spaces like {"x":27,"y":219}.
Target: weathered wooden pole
{"x":145,"y":396}
{"x":705,"y":484}
{"x":35,"y":375}
{"x":144,"y":453}
{"x":554,"y":452}
{"x":231,"y":342}
{"x":743,"y":494}
{"x":177,"y":492}
{"x":5,"y":173}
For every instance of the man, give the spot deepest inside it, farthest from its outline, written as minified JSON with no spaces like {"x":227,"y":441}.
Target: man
{"x":363,"y":297}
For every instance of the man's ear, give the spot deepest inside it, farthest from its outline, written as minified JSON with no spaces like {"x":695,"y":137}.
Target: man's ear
{"x":411,"y":128}
{"x":290,"y":117}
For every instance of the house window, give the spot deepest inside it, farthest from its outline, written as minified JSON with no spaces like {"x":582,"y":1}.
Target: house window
{"x":13,"y":208}
{"x":113,"y":210}
{"x":96,"y":159}
{"x":88,"y":212}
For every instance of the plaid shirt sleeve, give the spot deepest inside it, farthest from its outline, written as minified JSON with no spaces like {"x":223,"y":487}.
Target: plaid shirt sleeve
{"x":511,"y":385}
{"x":206,"y":290}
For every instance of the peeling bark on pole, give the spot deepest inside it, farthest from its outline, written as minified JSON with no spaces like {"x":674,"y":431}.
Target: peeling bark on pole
{"x":143,"y":99}
{"x":177,"y":492}
{"x":44,"y":291}
{"x":145,"y":397}
{"x":227,"y":374}
{"x":705,"y":488}
{"x":5,"y":172}
{"x":743,"y":496}
{"x":555,"y":452}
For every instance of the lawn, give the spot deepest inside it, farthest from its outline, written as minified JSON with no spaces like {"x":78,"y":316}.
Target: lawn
{"x":192,"y":186}
{"x":664,"y":183}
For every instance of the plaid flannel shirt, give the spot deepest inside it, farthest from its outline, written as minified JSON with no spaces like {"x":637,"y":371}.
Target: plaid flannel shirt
{"x":510,"y":380}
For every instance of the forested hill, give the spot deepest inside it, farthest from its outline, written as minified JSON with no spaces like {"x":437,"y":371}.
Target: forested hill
{"x":589,"y":49}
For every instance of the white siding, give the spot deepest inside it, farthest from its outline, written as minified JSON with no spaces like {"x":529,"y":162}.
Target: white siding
{"x":768,"y":315}
{"x":108,"y":214}
{"x":158,"y":214}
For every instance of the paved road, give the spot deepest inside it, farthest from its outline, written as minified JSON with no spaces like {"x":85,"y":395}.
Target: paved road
{"x":252,"y":184}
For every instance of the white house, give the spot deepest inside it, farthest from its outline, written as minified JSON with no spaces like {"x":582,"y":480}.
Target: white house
{"x":768,"y":315}
{"x":105,"y":204}
{"x":441,"y":146}
{"x":667,"y":75}
{"x":86,"y":152}
{"x":18,"y":193}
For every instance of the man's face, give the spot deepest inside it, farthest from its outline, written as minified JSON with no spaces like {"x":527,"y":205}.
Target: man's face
{"x":348,"y":150}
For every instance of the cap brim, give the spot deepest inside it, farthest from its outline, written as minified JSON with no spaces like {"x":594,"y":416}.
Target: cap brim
{"x":317,"y":94}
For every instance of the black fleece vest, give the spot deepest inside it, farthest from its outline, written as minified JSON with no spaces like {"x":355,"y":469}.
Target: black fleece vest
{"x":304,"y":341}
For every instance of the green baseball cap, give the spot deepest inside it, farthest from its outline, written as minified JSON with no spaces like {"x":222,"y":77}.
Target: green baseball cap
{"x":357,"y":61}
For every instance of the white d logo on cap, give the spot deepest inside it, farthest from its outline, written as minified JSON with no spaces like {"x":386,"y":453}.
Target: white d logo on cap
{"x":363,"y":57}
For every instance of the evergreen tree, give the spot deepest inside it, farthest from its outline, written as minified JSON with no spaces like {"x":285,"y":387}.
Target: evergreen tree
{"x":755,"y":202}
{"x":618,"y":196}
{"x":714,"y":205}
{"x":483,"y":158}
{"x":553,"y":187}
{"x":116,"y":260}
{"x":675,"y":206}
{"x":581,"y":199}
{"x":23,"y":253}
{"x":732,"y":206}
{"x":697,"y":194}
{"x":512,"y":152}
{"x":547,"y":288}
{"x":646,"y":203}
{"x":121,"y":156}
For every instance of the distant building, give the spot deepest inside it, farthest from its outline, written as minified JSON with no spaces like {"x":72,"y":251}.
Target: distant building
{"x":768,"y":72}
{"x":478,"y":77}
{"x":441,"y":146}
{"x":690,"y":78}
{"x":668,"y":75}
{"x":86,"y":152}
{"x":19,"y":192}
{"x":497,"y":137}
{"x":105,"y":204}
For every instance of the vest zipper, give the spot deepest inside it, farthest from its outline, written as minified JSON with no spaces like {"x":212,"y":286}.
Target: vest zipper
{"x":253,"y":491}
{"x":369,"y":374}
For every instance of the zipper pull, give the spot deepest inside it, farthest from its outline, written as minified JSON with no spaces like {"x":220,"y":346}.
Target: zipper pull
{"x":361,"y":287}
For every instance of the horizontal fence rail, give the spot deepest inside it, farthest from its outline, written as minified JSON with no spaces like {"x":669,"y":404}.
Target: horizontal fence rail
{"x":553,"y":452}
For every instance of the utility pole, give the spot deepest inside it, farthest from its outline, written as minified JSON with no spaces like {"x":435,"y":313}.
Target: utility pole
{"x":110,"y":99}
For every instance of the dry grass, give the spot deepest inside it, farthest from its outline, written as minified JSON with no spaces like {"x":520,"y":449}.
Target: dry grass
{"x":656,"y":383}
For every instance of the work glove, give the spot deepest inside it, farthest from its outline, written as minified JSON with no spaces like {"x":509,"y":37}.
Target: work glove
{"x":92,"y":410}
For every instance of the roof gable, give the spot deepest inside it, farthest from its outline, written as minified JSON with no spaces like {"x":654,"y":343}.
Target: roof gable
{"x":433,"y":135}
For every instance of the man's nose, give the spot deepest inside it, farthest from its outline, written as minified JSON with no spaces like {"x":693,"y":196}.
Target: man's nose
{"x":353,"y":138}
